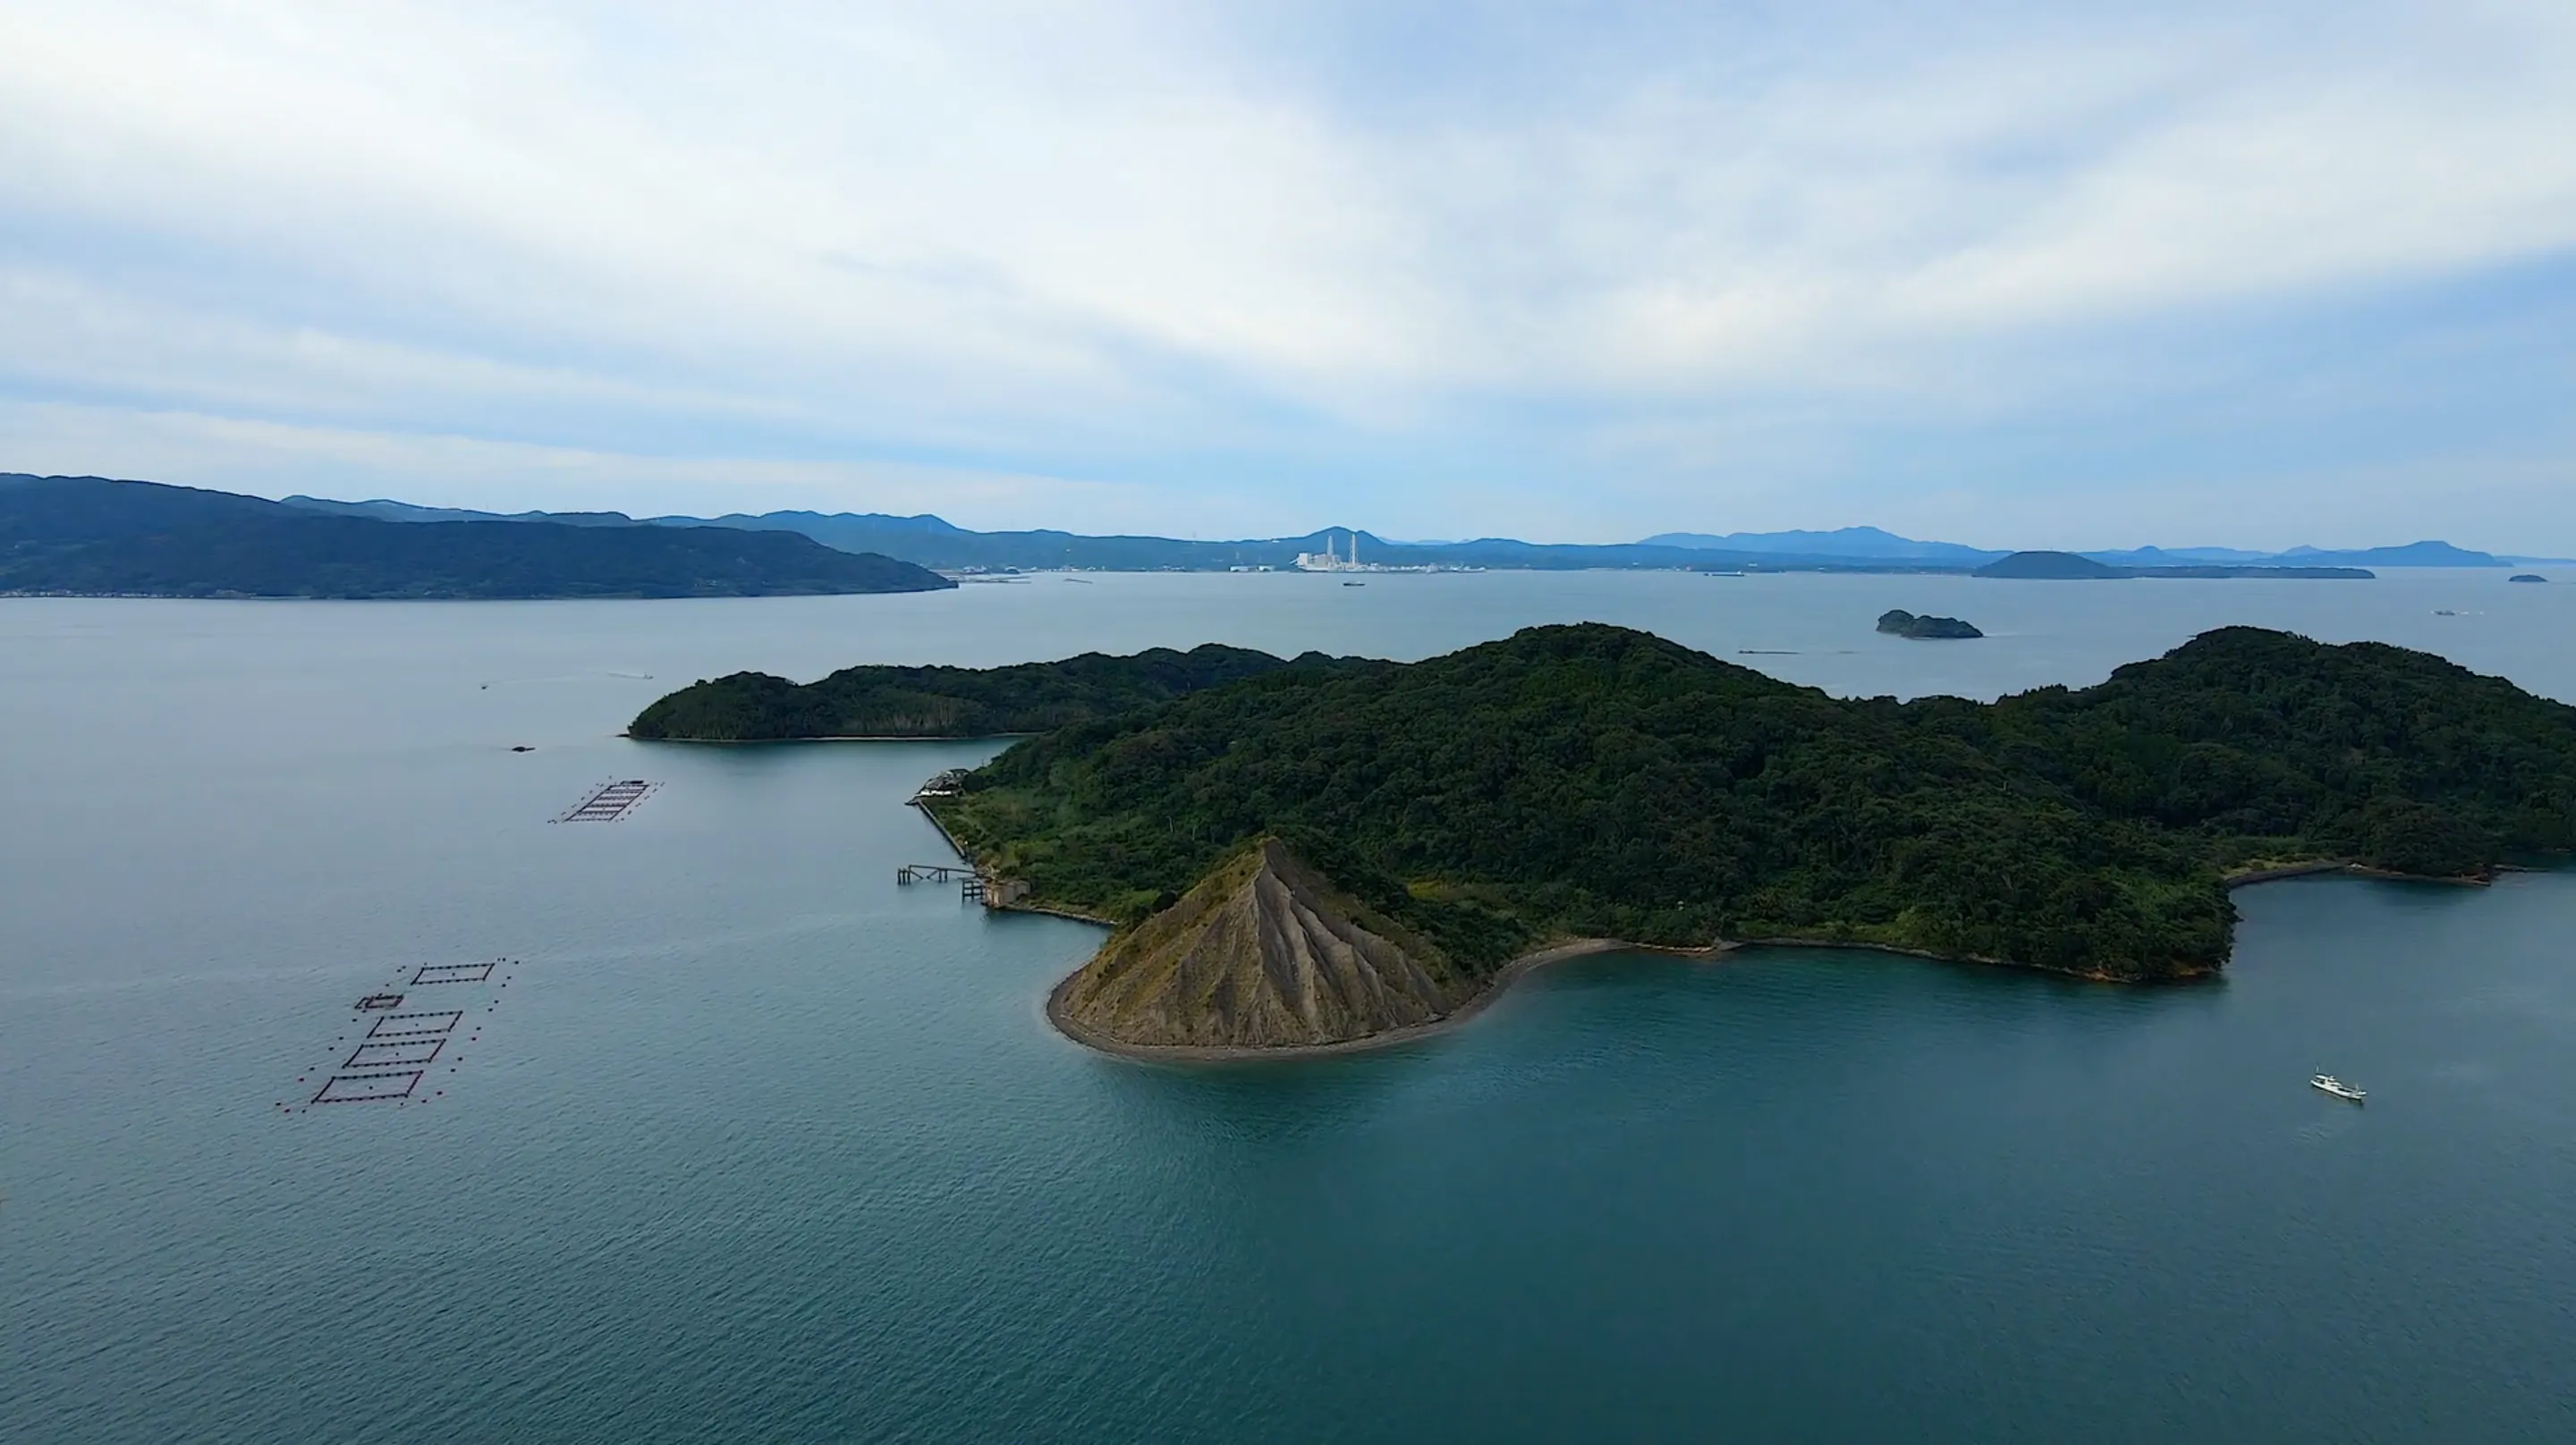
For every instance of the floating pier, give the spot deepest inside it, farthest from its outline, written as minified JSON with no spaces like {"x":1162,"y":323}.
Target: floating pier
{"x":972,"y":886}
{"x":609,"y":802}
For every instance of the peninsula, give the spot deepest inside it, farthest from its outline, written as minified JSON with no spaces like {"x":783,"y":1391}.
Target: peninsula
{"x":1315,"y":856}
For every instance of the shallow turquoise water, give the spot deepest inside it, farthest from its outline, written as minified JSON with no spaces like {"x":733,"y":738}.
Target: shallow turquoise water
{"x":756,"y":1144}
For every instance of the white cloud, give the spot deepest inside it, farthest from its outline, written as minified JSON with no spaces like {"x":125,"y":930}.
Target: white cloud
{"x":1106,"y":239}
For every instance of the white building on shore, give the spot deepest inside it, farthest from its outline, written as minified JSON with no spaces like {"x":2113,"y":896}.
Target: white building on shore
{"x":1328,"y":560}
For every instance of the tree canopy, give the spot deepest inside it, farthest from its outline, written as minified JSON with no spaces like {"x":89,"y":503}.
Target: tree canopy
{"x":1595,"y":780}
{"x":904,"y":702}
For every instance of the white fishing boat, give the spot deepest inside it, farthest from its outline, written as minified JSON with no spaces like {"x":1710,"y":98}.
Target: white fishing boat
{"x":2336,"y":1087}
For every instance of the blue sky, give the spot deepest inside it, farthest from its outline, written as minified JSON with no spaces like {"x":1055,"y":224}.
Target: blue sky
{"x":2014,"y":274}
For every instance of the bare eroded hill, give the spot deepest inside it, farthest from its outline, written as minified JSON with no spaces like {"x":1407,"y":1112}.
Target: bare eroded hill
{"x":1262,"y":953}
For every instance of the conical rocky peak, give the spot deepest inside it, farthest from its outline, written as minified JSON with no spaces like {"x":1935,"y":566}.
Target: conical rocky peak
{"x":1263,"y":952}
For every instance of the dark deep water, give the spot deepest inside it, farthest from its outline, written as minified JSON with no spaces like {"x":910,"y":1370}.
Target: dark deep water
{"x":757,"y":1145}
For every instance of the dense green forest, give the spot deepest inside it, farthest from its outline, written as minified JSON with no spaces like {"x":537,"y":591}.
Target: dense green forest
{"x":947,"y":702}
{"x":91,"y":536}
{"x":1594,"y":780}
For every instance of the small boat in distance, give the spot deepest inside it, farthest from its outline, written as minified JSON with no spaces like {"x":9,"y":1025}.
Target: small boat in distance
{"x":2336,"y":1087}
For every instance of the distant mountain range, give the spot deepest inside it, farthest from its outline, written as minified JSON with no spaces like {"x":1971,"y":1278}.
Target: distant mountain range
{"x":1870,"y":542}
{"x":933,"y":542}
{"x":89,"y":536}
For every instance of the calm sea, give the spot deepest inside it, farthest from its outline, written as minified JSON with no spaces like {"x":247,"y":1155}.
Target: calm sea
{"x":743,"y":1141}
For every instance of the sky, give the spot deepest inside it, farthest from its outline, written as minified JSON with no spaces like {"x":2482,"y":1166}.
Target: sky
{"x":2015,"y":274}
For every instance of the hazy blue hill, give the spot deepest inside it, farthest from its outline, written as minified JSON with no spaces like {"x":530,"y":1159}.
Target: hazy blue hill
{"x":2413,"y":554}
{"x":1854,"y":542}
{"x":384,"y":510}
{"x":95,"y":536}
{"x":2058,"y":566}
{"x":2179,"y":556}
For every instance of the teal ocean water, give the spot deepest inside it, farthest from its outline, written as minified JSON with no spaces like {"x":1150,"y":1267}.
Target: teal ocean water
{"x":755,"y":1144}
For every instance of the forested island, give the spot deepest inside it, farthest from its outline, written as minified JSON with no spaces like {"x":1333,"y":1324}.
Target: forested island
{"x":945,"y":702}
{"x":1312,"y":854}
{"x":1901,"y":623}
{"x":2075,"y":567}
{"x":89,"y":536}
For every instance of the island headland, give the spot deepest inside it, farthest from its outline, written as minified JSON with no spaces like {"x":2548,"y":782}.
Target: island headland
{"x":876,"y":703}
{"x":1323,"y":855}
{"x":1901,"y":623}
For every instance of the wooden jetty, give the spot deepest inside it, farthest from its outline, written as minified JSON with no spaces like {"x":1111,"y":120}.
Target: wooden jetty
{"x":973,"y":886}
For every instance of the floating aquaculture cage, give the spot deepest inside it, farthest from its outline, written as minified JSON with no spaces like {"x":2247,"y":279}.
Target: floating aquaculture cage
{"x":386,"y":1050}
{"x":609,"y":802}
{"x":369,"y":1088}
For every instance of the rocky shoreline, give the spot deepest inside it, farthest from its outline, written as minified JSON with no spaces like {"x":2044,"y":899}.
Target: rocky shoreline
{"x":1059,"y":1016}
{"x":1504,"y":977}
